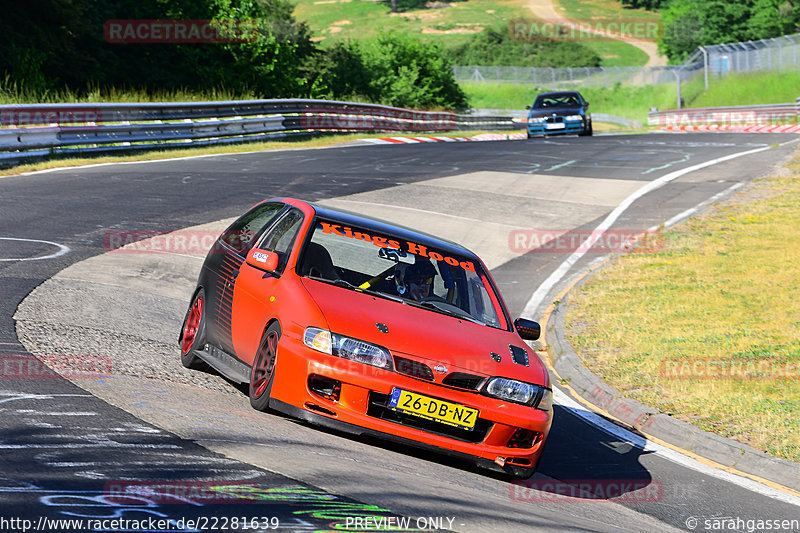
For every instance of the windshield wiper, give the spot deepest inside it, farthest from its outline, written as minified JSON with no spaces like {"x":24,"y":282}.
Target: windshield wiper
{"x":344,"y":283}
{"x":432,"y":304}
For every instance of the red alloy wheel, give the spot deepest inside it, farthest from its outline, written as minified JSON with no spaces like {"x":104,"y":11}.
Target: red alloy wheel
{"x":192,"y":325}
{"x":265,"y":365}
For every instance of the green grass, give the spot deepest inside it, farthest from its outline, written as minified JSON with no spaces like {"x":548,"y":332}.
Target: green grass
{"x":745,"y":89}
{"x":356,"y":19}
{"x":607,"y":9}
{"x":629,"y":102}
{"x":10,"y":93}
{"x":723,"y":289}
{"x":614,"y":53}
{"x":635,"y":102}
{"x":333,"y":20}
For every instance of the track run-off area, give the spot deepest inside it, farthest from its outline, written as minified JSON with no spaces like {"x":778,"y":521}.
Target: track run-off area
{"x":67,"y":446}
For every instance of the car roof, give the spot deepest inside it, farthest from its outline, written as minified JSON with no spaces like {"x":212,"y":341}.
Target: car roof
{"x":559,"y":93}
{"x":382,"y":226}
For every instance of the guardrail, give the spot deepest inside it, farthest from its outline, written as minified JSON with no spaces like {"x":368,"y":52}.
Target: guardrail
{"x":732,"y":115}
{"x":35,"y":131}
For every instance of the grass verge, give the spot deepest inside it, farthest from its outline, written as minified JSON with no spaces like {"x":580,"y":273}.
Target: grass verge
{"x":630,"y":102}
{"x":321,"y":141}
{"x":679,"y":329}
{"x":635,"y":102}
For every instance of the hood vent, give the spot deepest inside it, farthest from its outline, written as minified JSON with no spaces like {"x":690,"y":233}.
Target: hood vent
{"x":519,"y":355}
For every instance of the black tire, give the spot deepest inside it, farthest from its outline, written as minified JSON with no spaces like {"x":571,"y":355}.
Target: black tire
{"x":262,"y":373}
{"x":587,"y":132}
{"x":193,"y":332}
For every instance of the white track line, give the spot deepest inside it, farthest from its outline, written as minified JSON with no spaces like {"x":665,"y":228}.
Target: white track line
{"x":565,"y":401}
{"x":559,"y":273}
{"x":596,"y":420}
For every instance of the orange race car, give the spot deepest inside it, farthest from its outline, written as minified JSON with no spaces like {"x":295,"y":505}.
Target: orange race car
{"x":372,"y":328}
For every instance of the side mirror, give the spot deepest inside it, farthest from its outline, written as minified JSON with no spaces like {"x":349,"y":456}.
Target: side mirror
{"x":527,"y":329}
{"x":527,"y":107}
{"x":585,"y":104}
{"x":263,"y":260}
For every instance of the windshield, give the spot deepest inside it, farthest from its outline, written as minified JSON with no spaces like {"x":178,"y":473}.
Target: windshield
{"x":557,"y":100}
{"x":395,"y":268}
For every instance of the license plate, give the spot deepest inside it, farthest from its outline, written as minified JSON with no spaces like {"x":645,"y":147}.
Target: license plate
{"x":452,"y":414}
{"x":556,"y":126}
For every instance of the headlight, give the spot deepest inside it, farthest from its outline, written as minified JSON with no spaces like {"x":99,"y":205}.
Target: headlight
{"x":573,"y":117}
{"x":537,"y":120}
{"x":519,"y":392}
{"x":347,"y":348}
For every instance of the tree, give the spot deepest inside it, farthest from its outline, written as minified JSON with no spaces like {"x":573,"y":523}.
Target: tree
{"x":393,"y":69}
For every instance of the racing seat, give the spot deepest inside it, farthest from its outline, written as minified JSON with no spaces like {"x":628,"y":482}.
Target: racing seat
{"x":317,"y":262}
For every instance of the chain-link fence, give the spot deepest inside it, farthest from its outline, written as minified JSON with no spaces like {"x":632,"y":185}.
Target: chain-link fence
{"x":563,"y":78}
{"x":778,"y":54}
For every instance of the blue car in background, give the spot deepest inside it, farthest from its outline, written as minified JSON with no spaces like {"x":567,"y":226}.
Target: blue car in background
{"x":562,"y":112}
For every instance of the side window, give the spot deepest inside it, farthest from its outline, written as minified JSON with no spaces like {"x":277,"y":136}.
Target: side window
{"x":282,"y":236}
{"x":242,"y":233}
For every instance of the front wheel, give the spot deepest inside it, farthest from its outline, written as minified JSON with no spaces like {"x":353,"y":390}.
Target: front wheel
{"x":194,"y":332}
{"x":262,"y":373}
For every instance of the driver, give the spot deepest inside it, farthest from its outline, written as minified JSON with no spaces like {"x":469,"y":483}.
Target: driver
{"x":418,"y":280}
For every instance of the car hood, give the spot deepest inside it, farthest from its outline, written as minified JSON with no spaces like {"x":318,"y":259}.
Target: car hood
{"x":558,"y":111}
{"x":424,"y":334}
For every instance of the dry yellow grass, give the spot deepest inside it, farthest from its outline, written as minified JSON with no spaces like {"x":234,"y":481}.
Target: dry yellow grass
{"x":724,"y":292}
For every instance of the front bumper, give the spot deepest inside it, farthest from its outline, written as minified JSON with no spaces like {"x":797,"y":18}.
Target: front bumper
{"x":361,"y":405}
{"x":556,"y":128}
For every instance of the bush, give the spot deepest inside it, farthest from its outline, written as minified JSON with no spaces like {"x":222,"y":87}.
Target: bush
{"x":494,"y":46}
{"x":393,"y":69}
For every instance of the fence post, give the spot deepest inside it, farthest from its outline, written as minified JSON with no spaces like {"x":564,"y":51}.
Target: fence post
{"x":677,"y":73}
{"x":705,"y":65}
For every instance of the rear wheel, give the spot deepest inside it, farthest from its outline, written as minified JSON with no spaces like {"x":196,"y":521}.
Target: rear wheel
{"x":262,"y":374}
{"x":194,"y":332}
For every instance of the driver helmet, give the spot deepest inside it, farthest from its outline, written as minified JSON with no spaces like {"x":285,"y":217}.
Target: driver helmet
{"x":418,"y":279}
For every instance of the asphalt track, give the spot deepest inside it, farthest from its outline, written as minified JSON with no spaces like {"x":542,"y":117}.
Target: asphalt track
{"x":59,"y":440}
